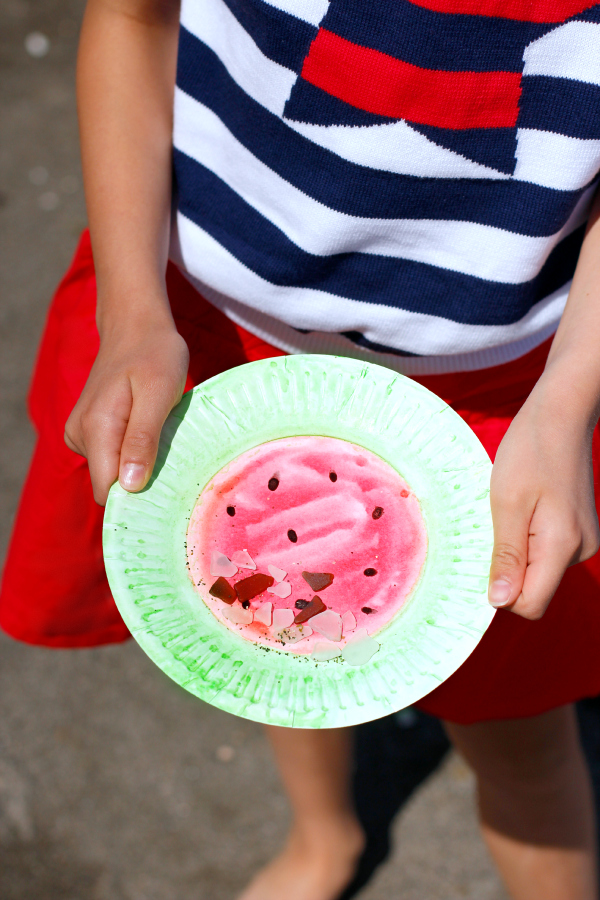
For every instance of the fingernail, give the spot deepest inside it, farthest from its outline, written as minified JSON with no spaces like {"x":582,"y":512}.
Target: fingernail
{"x":132,"y":476}
{"x":499,"y":593}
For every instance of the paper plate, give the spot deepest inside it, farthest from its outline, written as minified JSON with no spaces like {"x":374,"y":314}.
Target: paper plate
{"x":410,"y":428}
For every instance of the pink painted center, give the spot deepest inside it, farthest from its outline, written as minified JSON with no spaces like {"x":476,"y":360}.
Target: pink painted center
{"x":329,"y":494}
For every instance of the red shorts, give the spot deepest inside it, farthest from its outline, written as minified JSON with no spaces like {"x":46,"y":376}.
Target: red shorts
{"x":54,"y":589}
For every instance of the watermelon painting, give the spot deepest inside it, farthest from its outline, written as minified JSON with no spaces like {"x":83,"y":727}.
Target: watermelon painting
{"x":299,"y":580}
{"x":309,"y":545}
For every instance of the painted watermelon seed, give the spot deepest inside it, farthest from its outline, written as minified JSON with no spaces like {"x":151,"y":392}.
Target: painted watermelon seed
{"x":370,"y":572}
{"x":377,"y":512}
{"x":273,"y":483}
{"x":292,"y":535}
{"x":246,"y":604}
{"x":301,"y":604}
{"x":231,"y":510}
{"x":367,"y":610}
{"x":332,"y":476}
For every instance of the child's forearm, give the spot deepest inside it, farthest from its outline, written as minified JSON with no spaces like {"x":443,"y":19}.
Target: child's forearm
{"x":572,"y":375}
{"x":542,"y":483}
{"x":125,"y":83}
{"x":126,"y":76}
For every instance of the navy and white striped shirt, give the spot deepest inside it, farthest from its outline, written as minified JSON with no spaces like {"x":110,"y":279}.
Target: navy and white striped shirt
{"x":400,"y":180}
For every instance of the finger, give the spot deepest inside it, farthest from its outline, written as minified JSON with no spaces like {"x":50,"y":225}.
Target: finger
{"x":509,"y":557}
{"x":71,"y":443}
{"x":72,"y":434}
{"x":550,"y":553}
{"x":97,"y":433}
{"x":140,"y":444}
{"x":106,"y":433}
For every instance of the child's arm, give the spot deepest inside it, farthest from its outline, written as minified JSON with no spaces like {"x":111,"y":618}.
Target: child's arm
{"x":125,"y":82}
{"x":542,"y":482}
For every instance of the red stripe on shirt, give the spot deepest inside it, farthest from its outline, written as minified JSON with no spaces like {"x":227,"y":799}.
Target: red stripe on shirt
{"x":522,"y":10}
{"x":381,"y":84}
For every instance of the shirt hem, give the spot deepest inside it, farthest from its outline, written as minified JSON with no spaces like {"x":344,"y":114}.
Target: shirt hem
{"x":286,"y":338}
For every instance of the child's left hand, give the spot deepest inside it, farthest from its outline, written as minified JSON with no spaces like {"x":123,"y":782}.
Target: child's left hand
{"x":542,"y":496}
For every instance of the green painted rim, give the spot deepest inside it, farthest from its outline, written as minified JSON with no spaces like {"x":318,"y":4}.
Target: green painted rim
{"x":394,"y":417}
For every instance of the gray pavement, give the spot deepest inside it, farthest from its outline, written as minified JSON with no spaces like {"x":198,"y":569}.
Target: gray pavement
{"x":114,"y":783}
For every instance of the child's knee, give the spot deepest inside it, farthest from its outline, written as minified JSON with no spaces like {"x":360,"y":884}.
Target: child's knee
{"x":531,"y":776}
{"x":530,"y":757}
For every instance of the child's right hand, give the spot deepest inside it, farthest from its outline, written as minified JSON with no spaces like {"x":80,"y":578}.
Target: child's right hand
{"x":138,"y":377}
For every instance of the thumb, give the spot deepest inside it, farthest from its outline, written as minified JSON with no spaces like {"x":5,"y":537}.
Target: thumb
{"x":509,"y":557}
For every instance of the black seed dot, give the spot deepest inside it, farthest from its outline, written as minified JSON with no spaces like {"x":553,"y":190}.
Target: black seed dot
{"x":301,"y":604}
{"x":367,"y":610}
{"x":273,"y":483}
{"x":377,"y":512}
{"x":231,"y":510}
{"x":292,"y":536}
{"x":370,"y":572}
{"x":246,"y":604}
{"x":332,"y":476}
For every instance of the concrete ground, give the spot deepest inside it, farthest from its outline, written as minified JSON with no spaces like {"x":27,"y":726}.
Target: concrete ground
{"x":114,"y":783}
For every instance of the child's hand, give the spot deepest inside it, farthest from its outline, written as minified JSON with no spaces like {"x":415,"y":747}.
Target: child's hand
{"x":137,"y":378}
{"x":542,"y":499}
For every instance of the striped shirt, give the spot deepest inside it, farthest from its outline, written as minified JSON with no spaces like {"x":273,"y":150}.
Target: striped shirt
{"x":406,"y":181}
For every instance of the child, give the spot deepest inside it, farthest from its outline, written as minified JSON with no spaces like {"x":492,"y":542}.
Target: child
{"x":407,"y":181}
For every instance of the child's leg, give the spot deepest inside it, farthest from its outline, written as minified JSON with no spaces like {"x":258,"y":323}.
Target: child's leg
{"x":326,"y":839}
{"x":535,"y":803}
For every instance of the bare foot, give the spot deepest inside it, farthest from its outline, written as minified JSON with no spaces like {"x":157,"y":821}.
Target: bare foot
{"x":313,"y":866}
